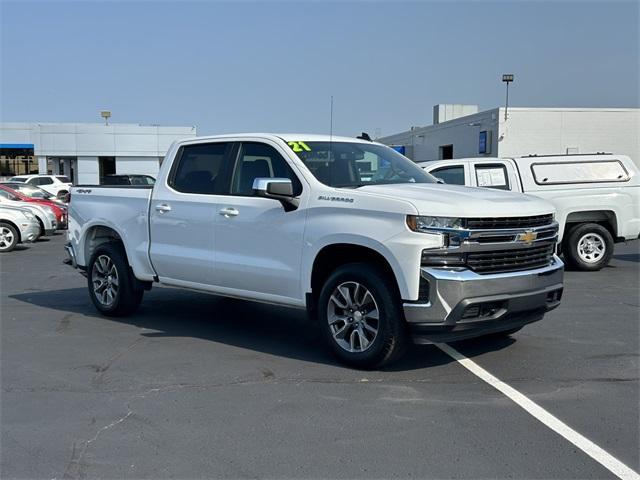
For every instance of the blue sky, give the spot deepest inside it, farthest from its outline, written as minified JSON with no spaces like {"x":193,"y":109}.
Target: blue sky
{"x":272,"y":66}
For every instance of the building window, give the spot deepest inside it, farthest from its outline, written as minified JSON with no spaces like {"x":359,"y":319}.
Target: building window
{"x":107,"y":166}
{"x":446,"y":152}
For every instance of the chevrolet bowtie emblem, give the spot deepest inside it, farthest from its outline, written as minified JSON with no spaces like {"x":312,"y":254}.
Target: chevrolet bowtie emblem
{"x":527,"y":237}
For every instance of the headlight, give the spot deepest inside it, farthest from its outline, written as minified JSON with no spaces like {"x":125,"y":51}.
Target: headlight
{"x":28,"y":215}
{"x":430,"y":224}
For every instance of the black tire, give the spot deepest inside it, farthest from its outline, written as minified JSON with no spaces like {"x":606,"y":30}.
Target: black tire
{"x":127,"y":297}
{"x":390,"y":341}
{"x":578,"y":238}
{"x":42,"y":229}
{"x":8,"y":244}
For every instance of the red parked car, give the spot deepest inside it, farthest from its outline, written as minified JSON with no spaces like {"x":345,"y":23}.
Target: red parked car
{"x":59,"y":209}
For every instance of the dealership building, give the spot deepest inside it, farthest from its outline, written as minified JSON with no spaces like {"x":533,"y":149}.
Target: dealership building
{"x":461,"y":131}
{"x":85,"y":152}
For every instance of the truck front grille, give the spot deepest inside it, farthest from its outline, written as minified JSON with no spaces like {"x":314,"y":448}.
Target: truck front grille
{"x":513,"y":260}
{"x":490,"y":223}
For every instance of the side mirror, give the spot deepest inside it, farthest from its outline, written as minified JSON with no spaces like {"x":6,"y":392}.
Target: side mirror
{"x":440,"y":180}
{"x":278,"y":189}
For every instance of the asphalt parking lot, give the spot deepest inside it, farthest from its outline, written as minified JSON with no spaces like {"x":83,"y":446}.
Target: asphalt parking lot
{"x":197,"y":386}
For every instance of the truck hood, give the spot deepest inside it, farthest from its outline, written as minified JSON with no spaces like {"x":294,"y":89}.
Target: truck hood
{"x":457,"y":201}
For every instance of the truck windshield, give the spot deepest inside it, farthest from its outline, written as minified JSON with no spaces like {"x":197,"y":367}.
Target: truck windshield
{"x":355,"y":164}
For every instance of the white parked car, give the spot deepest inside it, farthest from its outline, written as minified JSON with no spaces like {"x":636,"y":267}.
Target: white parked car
{"x":58,"y":185}
{"x":45,"y":215}
{"x":597,"y":197}
{"x":17,"y":225}
{"x":290,"y":220}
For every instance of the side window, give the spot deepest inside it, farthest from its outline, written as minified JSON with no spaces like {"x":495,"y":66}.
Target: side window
{"x":453,"y":175}
{"x":492,"y":176}
{"x":198,"y":168}
{"x":45,"y":181}
{"x":259,"y":160}
{"x":7,"y":195}
{"x":33,"y":181}
{"x":558,"y":173}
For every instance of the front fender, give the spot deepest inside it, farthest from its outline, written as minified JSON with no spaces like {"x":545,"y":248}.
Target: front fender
{"x":311,"y":252}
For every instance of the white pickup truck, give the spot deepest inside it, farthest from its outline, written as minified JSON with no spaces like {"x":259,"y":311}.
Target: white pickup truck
{"x":597,"y":197}
{"x":364,"y":239}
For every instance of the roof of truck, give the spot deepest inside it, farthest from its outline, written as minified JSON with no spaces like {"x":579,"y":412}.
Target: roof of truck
{"x":287,"y":137}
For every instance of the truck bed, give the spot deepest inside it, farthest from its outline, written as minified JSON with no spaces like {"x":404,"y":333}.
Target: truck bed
{"x":123,"y":208}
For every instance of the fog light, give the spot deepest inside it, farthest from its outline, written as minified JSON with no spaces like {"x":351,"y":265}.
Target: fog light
{"x":442,"y":260}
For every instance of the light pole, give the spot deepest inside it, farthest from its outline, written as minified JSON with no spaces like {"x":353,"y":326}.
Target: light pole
{"x":507,"y":78}
{"x":106,"y":114}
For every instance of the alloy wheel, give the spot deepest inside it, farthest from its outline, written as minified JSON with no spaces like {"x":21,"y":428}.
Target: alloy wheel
{"x":353,"y":317}
{"x":104,"y":278}
{"x":6,"y":238}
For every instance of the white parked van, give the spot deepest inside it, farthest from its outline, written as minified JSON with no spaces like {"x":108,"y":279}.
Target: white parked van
{"x":597,"y":197}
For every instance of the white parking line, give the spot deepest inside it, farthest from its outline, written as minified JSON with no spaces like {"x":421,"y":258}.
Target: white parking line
{"x":605,"y":459}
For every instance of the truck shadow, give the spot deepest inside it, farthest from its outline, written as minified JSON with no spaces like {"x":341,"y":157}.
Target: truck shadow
{"x":280,"y":331}
{"x":628,"y":257}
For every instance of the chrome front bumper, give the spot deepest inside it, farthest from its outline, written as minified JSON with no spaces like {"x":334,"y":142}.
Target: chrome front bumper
{"x":464,"y":304}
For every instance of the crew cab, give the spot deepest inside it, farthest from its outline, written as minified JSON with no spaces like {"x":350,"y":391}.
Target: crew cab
{"x":289,"y":220}
{"x":597,"y":197}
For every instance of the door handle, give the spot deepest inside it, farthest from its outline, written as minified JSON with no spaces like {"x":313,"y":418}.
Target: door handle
{"x":163,"y":208}
{"x":229,"y":212}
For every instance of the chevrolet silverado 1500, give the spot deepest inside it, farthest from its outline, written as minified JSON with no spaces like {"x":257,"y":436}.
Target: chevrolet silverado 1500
{"x":368,"y":242}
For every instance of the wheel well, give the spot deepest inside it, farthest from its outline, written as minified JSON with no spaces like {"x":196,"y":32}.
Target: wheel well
{"x":9,"y":222}
{"x":95,"y":237}
{"x":332,"y":256}
{"x":606,"y":218}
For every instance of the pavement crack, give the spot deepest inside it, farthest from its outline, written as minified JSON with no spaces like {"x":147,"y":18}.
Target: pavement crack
{"x":101,"y":370}
{"x":64,"y":323}
{"x":75,"y":467}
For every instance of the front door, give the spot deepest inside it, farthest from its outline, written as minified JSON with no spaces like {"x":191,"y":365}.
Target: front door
{"x":182,"y":214}
{"x":259,"y":244}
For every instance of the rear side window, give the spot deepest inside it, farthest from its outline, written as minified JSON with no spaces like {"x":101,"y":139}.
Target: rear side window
{"x":40,"y":181}
{"x":198,"y":168}
{"x":63,"y":179}
{"x":259,"y":160}
{"x":453,"y":175}
{"x":579,"y":172}
{"x":492,"y":176}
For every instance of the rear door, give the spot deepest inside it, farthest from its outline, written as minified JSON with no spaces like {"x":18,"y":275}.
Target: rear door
{"x":183,"y":209}
{"x":258,"y":244}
